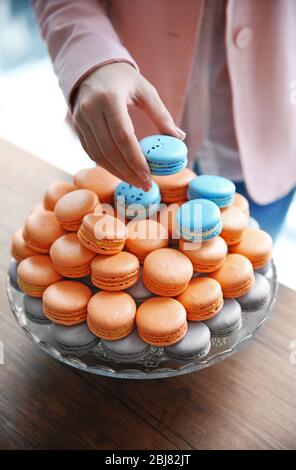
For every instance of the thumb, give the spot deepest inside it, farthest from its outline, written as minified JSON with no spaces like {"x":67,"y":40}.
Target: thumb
{"x":153,"y":106}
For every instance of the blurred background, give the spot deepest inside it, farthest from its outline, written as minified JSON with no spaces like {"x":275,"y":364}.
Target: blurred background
{"x":32,"y":112}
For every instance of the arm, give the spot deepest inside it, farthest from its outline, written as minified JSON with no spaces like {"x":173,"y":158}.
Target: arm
{"x":86,"y":51}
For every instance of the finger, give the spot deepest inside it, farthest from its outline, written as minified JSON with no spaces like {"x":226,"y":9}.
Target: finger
{"x":113,"y":153}
{"x":153,"y":106}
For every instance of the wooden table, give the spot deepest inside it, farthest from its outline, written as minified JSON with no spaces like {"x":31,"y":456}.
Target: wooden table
{"x":246,"y":402}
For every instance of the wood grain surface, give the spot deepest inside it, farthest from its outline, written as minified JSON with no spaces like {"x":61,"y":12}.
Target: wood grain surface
{"x":246,"y":402}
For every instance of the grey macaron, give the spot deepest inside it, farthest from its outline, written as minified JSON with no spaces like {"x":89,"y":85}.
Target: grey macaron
{"x":34,"y":310}
{"x":253,"y":223}
{"x":12,"y":271}
{"x":257,"y":296}
{"x":128,"y":349}
{"x":195,"y":345}
{"x":76,"y":339}
{"x":228,"y":320}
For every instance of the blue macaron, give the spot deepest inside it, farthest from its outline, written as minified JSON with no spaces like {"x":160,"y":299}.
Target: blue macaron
{"x":33,"y":307}
{"x":134,"y":202}
{"x":131,"y":348}
{"x":165,"y":155}
{"x":195,"y":345}
{"x":214,"y":188}
{"x":199,"y":220}
{"x":228,"y":320}
{"x":76,"y":339}
{"x":257,"y":296}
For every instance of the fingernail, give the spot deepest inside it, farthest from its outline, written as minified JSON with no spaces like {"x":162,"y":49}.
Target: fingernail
{"x":181,"y":133}
{"x":144,"y":176}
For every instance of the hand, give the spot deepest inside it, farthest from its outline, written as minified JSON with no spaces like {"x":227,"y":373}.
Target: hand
{"x":104,"y":126}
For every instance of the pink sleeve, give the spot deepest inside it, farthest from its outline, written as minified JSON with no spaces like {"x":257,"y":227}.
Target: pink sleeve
{"x":80,"y":37}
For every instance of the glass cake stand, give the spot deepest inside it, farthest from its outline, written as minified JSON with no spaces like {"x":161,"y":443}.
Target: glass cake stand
{"x":155,"y":364}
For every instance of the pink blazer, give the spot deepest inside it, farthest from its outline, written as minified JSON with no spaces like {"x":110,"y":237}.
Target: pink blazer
{"x":160,"y":38}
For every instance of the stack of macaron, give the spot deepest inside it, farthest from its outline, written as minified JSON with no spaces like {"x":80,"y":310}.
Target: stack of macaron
{"x":101,"y":260}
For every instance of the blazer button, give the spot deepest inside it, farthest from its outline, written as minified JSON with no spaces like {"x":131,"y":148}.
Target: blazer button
{"x":243,"y":38}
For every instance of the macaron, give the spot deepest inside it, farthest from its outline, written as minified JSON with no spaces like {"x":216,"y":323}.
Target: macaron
{"x":133,"y":202}
{"x":98,"y":180}
{"x":41,"y":230}
{"x":206,"y":257}
{"x":145,"y":236}
{"x":202,"y":299}
{"x":111,"y":315}
{"x":37,"y":207}
{"x":35,"y":274}
{"x":228,"y":320}
{"x":114,"y":273}
{"x":242,"y":203}
{"x":236,"y":276}
{"x":234,"y":222}
{"x":12,"y":272}
{"x":33,"y":307}
{"x":65,"y":302}
{"x":73,"y":206}
{"x":161,"y":321}
{"x":258,"y":295}
{"x":102,"y":234}
{"x":196,"y":344}
{"x":76,"y":339}
{"x":138,"y":291}
{"x":129,"y":349}
{"x":19,"y":248}
{"x":253,"y":223}
{"x":173,"y":188}
{"x":256,"y":245}
{"x":167,"y":272}
{"x":165,"y":155}
{"x":214,"y":188}
{"x":199,"y":220}
{"x":70,"y":258}
{"x":55,"y":191}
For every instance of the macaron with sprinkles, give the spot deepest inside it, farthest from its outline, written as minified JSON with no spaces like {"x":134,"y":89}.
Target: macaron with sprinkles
{"x":115,"y":273}
{"x":133,"y":202}
{"x":202,"y":299}
{"x":111,"y":315}
{"x":75,"y":339}
{"x":214,"y":188}
{"x":196,"y":344}
{"x":103,"y":234}
{"x":236,"y":276}
{"x":199,"y":220}
{"x":65,"y":302}
{"x":70,"y":258}
{"x":73,"y":206}
{"x":161,"y":321}
{"x":35,"y":274}
{"x":165,"y":155}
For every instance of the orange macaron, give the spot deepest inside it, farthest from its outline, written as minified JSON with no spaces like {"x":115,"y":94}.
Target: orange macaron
{"x":55,"y":191}
{"x":236,"y":276}
{"x":35,"y":274}
{"x":19,"y":248}
{"x":166,"y":216}
{"x":103,"y":234}
{"x":173,"y":188}
{"x":207,"y":256}
{"x":161,"y":321}
{"x":73,"y":206}
{"x":111,"y":315}
{"x":167,"y":272}
{"x":116,"y":272}
{"x":65,"y":302}
{"x":98,"y":180}
{"x":202,"y":299}
{"x":41,"y":229}
{"x":234,"y":223}
{"x":242,"y":203}
{"x":145,"y":236}
{"x":70,"y":258}
{"x":256,"y":245}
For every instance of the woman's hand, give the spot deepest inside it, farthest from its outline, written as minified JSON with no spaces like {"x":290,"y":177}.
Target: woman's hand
{"x":104,"y":126}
